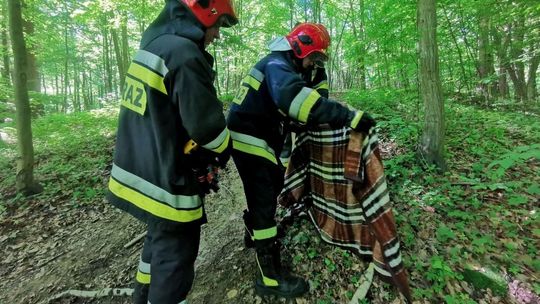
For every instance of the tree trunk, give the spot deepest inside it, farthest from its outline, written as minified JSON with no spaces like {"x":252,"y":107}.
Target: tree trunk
{"x":25,"y":182}
{"x":465,"y":79}
{"x":106,"y":62}
{"x":432,"y":141}
{"x":484,"y":57}
{"x":464,"y":33}
{"x":6,"y":73}
{"x":76,"y":88}
{"x":516,"y":70}
{"x":66,"y":65}
{"x":291,"y":10}
{"x":118,"y":55}
{"x":34,"y":83}
{"x":141,"y":21}
{"x":501,"y":48}
{"x":56,"y":85}
{"x":317,"y":11}
{"x":44,"y":84}
{"x":386,"y":69}
{"x":90,"y":91}
{"x":126,"y":54}
{"x":531,"y":79}
{"x":85,"y":103}
{"x":359,"y":34}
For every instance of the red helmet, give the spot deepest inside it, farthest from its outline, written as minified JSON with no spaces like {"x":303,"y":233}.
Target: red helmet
{"x":208,"y":12}
{"x":307,"y":38}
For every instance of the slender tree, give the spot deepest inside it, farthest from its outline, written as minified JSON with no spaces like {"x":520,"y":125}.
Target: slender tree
{"x":34,"y":83}
{"x":485,"y":58}
{"x":432,"y":140}
{"x":5,"y":47}
{"x":25,"y":182}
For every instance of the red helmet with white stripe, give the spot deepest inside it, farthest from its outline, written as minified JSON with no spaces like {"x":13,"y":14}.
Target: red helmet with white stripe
{"x":308,"y":38}
{"x":209,"y":12}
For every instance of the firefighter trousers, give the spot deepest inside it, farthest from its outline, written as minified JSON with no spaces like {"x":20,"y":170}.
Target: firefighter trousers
{"x":263,"y":182}
{"x":166,"y":268}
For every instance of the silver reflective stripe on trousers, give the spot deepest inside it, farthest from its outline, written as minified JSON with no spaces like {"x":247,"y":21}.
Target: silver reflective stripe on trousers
{"x":144,"y":267}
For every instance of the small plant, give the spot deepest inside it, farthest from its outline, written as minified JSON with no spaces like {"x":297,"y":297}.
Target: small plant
{"x":439,"y":273}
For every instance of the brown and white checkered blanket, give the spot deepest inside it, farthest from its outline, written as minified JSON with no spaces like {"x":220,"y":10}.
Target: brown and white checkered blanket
{"x":338,"y":176}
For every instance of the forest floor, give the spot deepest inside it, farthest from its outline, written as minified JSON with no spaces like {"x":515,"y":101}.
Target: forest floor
{"x":71,"y":238}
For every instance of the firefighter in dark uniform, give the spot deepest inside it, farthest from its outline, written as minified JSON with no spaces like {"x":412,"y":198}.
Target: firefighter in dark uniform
{"x":287,"y":86}
{"x":169,"y":100}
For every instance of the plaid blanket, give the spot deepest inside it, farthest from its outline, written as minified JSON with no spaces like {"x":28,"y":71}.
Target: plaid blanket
{"x":338,"y":177}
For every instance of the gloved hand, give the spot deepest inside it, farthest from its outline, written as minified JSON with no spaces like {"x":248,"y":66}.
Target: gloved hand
{"x":366,"y":122}
{"x":320,"y":75}
{"x":203,"y":157}
{"x":208,"y":179}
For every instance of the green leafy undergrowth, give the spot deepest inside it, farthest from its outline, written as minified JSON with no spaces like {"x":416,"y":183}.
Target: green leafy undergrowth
{"x":482,"y":211}
{"x":72,"y":154}
{"x":334,"y":274}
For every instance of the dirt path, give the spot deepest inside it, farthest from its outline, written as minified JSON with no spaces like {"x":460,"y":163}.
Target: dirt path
{"x":53,"y":247}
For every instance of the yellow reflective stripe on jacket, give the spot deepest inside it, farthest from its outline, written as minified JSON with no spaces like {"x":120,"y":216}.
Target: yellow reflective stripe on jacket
{"x":152,"y":206}
{"x":322,"y":85}
{"x":152,"y":61}
{"x":252,"y":82}
{"x":148,"y":189}
{"x":254,"y":79}
{"x":302,"y":104}
{"x":147,"y":76}
{"x":356,"y":119}
{"x":220,"y":143}
{"x":253,"y":145}
{"x":265,"y":233}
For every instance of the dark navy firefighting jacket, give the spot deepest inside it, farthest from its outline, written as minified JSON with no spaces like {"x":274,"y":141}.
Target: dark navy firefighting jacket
{"x":168,"y":99}
{"x":273,"y":95}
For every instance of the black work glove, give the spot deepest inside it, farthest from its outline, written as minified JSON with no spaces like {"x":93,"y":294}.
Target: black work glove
{"x":208,"y":179}
{"x":366,"y":122}
{"x":320,"y":75}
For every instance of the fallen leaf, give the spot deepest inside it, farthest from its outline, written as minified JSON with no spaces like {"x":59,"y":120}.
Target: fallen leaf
{"x":232,"y":293}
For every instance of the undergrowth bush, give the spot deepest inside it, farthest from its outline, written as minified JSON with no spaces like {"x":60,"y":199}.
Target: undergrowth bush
{"x":480,"y":211}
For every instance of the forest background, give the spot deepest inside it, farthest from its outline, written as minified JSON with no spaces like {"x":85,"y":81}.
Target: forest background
{"x":458,"y":110}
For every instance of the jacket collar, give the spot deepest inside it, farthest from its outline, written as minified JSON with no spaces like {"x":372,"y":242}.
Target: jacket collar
{"x":291,"y":60}
{"x":175,"y":19}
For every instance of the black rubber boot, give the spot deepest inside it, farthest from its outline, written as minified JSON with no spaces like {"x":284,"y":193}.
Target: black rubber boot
{"x":140,"y":293}
{"x":273,"y":279}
